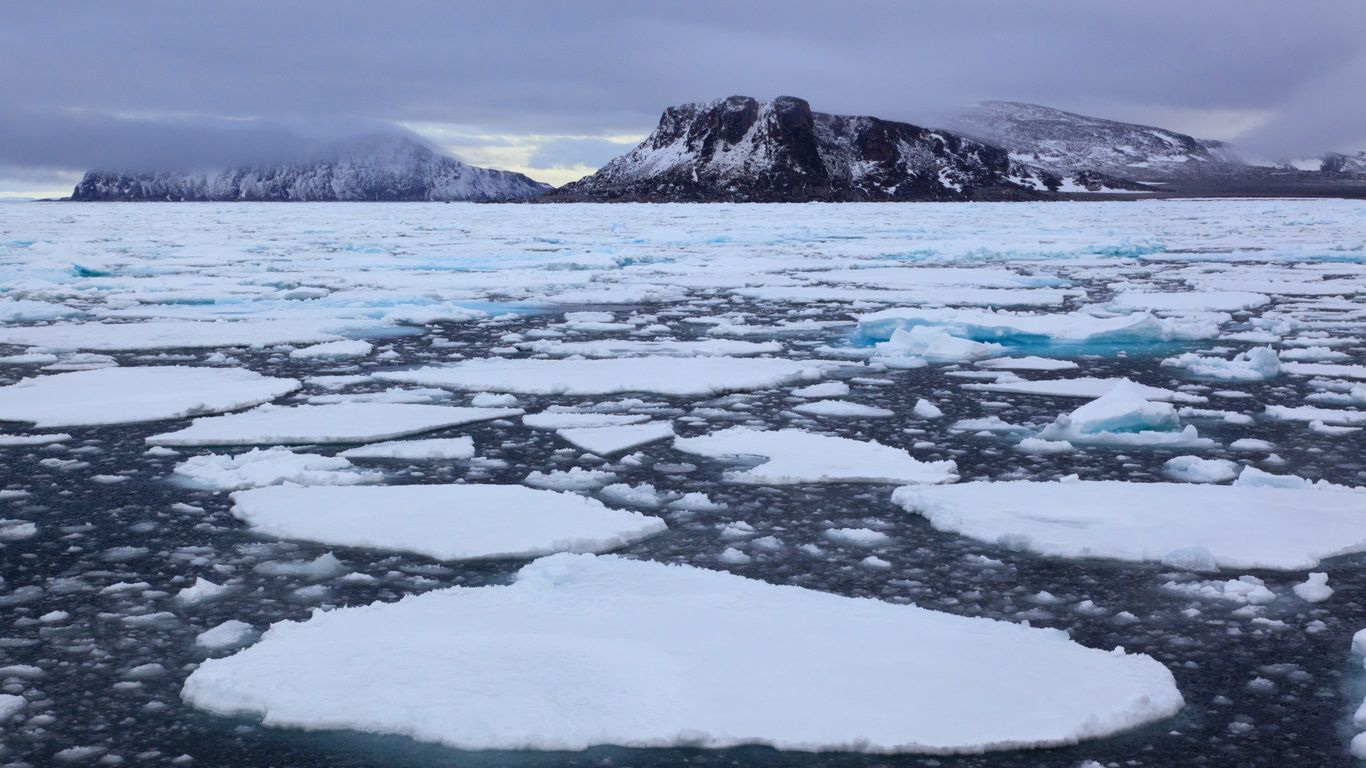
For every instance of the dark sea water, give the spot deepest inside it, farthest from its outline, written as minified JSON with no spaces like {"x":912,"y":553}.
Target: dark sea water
{"x":1273,"y":686}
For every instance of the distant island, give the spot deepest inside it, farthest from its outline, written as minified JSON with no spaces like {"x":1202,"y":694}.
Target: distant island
{"x":741,"y":149}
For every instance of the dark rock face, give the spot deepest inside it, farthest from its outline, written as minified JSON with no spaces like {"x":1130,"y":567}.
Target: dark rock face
{"x":740,"y":149}
{"x":375,"y":168}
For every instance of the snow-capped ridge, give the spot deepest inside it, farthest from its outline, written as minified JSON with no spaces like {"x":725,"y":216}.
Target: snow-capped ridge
{"x":369,"y":168}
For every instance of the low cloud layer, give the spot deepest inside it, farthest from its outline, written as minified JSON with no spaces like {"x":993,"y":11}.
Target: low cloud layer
{"x":100,"y":84}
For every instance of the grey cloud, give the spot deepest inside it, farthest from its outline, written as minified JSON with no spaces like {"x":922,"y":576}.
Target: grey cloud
{"x":610,"y":66}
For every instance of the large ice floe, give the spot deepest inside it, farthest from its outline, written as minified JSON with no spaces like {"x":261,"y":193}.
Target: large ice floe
{"x":447,"y":522}
{"x":336,"y":423}
{"x":144,"y":393}
{"x":679,"y":376}
{"x":668,"y":655}
{"x":1201,"y":527}
{"x":797,"y":456}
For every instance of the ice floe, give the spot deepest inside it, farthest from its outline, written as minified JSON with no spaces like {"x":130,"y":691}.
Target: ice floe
{"x":605,"y":441}
{"x":798,"y":456}
{"x":338,"y":423}
{"x":134,"y":394}
{"x":1200,"y":527}
{"x":273,"y":466}
{"x":447,"y":522}
{"x":678,"y":376}
{"x":669,"y":655}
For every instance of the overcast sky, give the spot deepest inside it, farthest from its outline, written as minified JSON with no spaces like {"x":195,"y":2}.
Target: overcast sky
{"x":554,"y":89}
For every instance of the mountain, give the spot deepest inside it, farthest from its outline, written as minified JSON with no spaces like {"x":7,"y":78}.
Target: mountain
{"x":1094,"y":154}
{"x":380,"y":168}
{"x":740,"y":149}
{"x":1065,"y":142}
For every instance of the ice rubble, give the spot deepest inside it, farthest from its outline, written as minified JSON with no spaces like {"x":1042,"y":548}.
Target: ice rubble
{"x":1193,"y":469}
{"x":1257,"y":364}
{"x":338,"y":423}
{"x":1125,"y":417}
{"x":605,"y":441}
{"x":1201,"y":527}
{"x":447,"y":522}
{"x":134,"y":394}
{"x":274,"y":466}
{"x":668,"y":655}
{"x":797,"y":456}
{"x":679,"y":376}
{"x":930,"y":344}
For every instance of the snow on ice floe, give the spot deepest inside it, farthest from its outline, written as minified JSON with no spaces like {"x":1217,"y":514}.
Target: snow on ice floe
{"x":605,"y":441}
{"x":338,"y":423}
{"x":671,"y":655}
{"x":992,"y":325}
{"x":678,"y":376}
{"x":274,"y":466}
{"x":447,"y":522}
{"x":797,"y":456}
{"x":431,"y":449}
{"x":1200,"y":527}
{"x":144,"y":393}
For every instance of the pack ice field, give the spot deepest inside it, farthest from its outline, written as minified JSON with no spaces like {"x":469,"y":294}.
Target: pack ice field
{"x":1030,"y":484}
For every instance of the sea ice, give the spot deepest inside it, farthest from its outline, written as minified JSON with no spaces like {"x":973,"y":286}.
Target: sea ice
{"x":1125,"y":417}
{"x":447,"y":522}
{"x":1257,"y":364}
{"x":797,"y":456}
{"x":1193,"y":469}
{"x":669,"y":655}
{"x":842,"y":408}
{"x":338,"y":423}
{"x":143,"y":393}
{"x":333,"y":350}
{"x":431,"y":449}
{"x":605,"y":441}
{"x":678,"y":376}
{"x":1201,"y":527}
{"x":273,"y":466}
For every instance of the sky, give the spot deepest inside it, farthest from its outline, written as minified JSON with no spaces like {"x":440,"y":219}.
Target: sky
{"x":555,"y":89}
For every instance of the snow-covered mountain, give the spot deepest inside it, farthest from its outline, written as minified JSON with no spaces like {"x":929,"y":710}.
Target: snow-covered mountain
{"x":379,"y":168}
{"x":743,"y":149}
{"x":1068,"y":143}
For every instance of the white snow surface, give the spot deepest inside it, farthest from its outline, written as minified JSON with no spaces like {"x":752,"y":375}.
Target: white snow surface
{"x":797,"y":456}
{"x":336,"y":423}
{"x":669,"y":655}
{"x":134,"y":394}
{"x":1200,"y":527}
{"x":447,"y":522}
